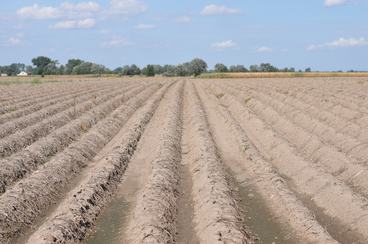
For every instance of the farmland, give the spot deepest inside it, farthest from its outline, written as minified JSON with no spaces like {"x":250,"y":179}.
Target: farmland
{"x":181,"y":160}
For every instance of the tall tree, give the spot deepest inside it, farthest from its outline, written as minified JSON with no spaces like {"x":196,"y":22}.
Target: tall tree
{"x":158,"y":69}
{"x":169,"y":70}
{"x":198,"y":66}
{"x":82,"y":69}
{"x":254,"y":68}
{"x":135,"y":70}
{"x":71,"y":64}
{"x":29,"y":69}
{"x":41,"y":63}
{"x":52,"y":68}
{"x":221,"y":68}
{"x":149,"y":70}
{"x":267,"y":67}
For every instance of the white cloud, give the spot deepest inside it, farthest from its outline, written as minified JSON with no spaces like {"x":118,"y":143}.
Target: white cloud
{"x":37,"y":12}
{"x":82,"y":6}
{"x":127,"y":7}
{"x":145,"y":26}
{"x":65,"y":10}
{"x":341,"y":42}
{"x":115,"y":42}
{"x":67,"y":24}
{"x":14,"y":41}
{"x":224,"y":44}
{"x":350,"y":42}
{"x":81,"y":12}
{"x":86,"y":23}
{"x":75,"y":24}
{"x":183,"y":19}
{"x":213,"y":9}
{"x":264,"y":49}
{"x":330,"y":3}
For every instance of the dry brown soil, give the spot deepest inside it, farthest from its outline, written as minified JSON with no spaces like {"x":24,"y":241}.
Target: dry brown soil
{"x":268,"y":160}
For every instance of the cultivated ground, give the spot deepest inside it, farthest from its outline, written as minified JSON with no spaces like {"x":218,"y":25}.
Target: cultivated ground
{"x":185,"y":161}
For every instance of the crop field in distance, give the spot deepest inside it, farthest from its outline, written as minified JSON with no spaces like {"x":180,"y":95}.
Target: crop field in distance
{"x":182,"y":160}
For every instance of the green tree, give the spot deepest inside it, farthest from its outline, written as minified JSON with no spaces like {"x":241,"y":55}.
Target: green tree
{"x":98,"y":69}
{"x":182,"y":70}
{"x":149,"y":70}
{"x":237,"y":68}
{"x":169,"y":70}
{"x":118,"y":70}
{"x":267,"y":67}
{"x":135,"y":70}
{"x":52,"y":68}
{"x":71,"y":64}
{"x":125,"y":70}
{"x":61,"y":70}
{"x":131,"y":70}
{"x":29,"y":69}
{"x":13,"y":69}
{"x":41,"y":62}
{"x":158,"y":69}
{"x":254,"y":68}
{"x":220,"y":68}
{"x":83,"y":68}
{"x":198,"y":66}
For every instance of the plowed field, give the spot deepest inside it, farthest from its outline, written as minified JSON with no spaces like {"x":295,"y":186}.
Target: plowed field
{"x":274,"y":160}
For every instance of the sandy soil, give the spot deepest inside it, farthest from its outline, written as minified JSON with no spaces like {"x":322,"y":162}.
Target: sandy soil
{"x":185,"y":161}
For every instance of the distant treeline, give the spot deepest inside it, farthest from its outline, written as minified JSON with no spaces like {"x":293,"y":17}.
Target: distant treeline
{"x":46,"y":66}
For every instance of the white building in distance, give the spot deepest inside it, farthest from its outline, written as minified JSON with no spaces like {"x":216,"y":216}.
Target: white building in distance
{"x":22,"y":74}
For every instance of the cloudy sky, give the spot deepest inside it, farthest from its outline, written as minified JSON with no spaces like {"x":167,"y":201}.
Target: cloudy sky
{"x":322,"y":34}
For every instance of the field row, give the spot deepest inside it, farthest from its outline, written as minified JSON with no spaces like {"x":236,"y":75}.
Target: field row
{"x":186,"y":161}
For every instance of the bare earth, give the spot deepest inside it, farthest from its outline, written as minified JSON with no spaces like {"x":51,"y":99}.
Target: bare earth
{"x":268,"y":160}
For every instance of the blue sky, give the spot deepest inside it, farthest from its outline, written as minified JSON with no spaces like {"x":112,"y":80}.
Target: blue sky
{"x":321,"y":34}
